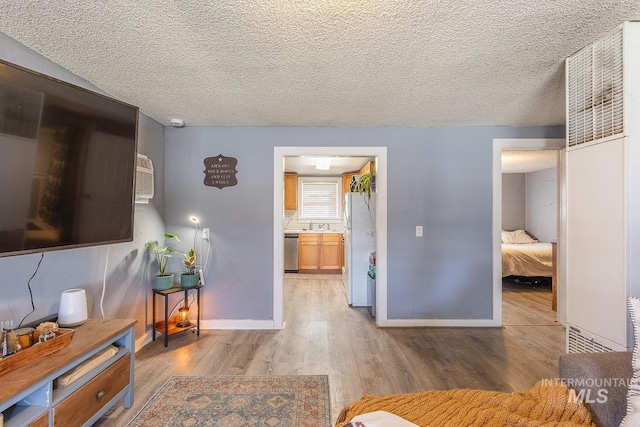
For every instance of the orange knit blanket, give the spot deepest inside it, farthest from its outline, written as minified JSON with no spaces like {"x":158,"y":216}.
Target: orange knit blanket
{"x":548,"y":403}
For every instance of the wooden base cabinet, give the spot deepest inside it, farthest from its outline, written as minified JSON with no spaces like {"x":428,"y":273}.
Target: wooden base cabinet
{"x":320,"y":253}
{"x":28,"y":396}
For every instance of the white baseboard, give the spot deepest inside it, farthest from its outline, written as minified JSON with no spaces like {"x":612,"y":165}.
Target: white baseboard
{"x":238,"y":324}
{"x":423,"y":323}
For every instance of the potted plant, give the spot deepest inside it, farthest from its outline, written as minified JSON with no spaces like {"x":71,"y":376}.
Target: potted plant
{"x":365,"y":185}
{"x":191,"y":277}
{"x":163,"y":281}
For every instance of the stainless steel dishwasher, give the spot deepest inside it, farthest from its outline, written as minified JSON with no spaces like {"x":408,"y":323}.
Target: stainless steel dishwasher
{"x":290,"y":252}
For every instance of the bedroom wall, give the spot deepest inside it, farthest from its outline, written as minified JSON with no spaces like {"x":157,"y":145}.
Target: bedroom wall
{"x":128,"y":271}
{"x":542,"y":204}
{"x":513,"y":201}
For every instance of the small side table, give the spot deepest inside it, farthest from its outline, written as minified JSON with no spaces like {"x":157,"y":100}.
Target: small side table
{"x":169,"y":326}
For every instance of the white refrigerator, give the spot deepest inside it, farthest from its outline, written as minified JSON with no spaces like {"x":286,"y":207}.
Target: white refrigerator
{"x":359,"y":241}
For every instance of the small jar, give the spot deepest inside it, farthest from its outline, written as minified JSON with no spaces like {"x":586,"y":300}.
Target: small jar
{"x":25,"y":337}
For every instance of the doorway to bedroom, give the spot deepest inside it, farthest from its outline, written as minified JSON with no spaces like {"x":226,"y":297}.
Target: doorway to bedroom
{"x":528,"y":230}
{"x":528,"y":233}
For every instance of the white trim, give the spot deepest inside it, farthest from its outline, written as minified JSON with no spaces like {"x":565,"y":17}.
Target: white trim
{"x":428,"y":323}
{"x":380,"y":153}
{"x":522,"y":144}
{"x":238,"y":324}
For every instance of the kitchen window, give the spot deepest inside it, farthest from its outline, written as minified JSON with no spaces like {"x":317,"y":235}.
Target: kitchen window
{"x":320,"y":197}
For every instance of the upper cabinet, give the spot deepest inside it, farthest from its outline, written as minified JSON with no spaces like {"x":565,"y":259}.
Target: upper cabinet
{"x":290,"y":191}
{"x":346,"y":182}
{"x":347,"y":177}
{"x":367,"y":168}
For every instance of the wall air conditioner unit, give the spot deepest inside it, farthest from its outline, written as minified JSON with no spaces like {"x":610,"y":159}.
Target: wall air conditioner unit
{"x":144,"y":179}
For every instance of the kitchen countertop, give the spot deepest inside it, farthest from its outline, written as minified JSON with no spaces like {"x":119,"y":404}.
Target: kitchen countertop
{"x":314,"y":231}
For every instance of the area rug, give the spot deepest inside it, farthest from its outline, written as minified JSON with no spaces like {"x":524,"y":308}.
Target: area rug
{"x":234,"y":401}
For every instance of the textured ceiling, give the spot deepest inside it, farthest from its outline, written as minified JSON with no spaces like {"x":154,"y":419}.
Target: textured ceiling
{"x":322,"y":62}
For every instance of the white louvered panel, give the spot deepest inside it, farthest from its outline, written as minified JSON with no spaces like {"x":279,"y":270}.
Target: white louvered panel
{"x":579,"y":98}
{"x":577,"y":342}
{"x":595,"y":91}
{"x":608,"y":86}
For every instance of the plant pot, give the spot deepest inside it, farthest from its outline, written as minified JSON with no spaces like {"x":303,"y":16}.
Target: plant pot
{"x":189,"y":280}
{"x":162,"y":283}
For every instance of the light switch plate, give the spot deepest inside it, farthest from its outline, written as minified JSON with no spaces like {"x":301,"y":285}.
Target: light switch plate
{"x":418,"y":231}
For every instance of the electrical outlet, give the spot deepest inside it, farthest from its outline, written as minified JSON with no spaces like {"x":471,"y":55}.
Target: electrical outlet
{"x":205,"y":234}
{"x":418,"y":231}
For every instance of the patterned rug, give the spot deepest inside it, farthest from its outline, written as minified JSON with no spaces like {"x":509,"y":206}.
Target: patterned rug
{"x":234,"y":401}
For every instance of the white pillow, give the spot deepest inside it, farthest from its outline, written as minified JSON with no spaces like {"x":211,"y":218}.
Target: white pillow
{"x":521,"y":236}
{"x":518,"y":236}
{"x":632,"y":419}
{"x":380,"y":419}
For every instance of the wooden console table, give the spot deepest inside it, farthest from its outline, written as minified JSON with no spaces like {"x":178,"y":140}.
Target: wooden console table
{"x":169,"y":326}
{"x":28,"y":396}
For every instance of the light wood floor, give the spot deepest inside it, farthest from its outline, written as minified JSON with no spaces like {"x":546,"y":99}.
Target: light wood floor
{"x":324,"y":336}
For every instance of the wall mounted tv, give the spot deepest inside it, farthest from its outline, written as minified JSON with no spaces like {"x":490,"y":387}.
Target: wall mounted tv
{"x":67,"y":164}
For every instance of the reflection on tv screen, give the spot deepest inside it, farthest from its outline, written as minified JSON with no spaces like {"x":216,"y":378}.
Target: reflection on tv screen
{"x":67,"y":164}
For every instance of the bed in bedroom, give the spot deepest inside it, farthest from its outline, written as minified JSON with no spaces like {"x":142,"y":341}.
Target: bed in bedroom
{"x":525,"y":256}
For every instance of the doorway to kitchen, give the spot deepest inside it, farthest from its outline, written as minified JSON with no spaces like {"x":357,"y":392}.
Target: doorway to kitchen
{"x":380,"y":156}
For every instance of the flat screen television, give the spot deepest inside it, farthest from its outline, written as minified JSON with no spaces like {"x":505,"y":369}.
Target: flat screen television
{"x":67,"y":164}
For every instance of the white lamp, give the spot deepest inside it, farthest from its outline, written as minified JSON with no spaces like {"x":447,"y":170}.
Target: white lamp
{"x":73,"y":308}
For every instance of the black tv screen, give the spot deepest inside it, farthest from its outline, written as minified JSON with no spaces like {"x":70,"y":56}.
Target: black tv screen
{"x":67,"y":164}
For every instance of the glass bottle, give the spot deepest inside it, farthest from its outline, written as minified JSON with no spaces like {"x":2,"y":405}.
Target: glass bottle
{"x":9,"y":340}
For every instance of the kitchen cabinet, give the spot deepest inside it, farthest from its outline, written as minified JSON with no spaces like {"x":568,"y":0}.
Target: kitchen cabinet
{"x":346,"y":183}
{"x":346,"y":178}
{"x":290,"y":191}
{"x":320,"y":253}
{"x":367,"y":168}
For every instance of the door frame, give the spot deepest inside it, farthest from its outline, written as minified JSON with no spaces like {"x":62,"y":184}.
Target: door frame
{"x":533,"y":144}
{"x":380,"y":154}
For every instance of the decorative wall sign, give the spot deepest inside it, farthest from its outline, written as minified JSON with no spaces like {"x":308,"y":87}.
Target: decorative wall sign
{"x":220,"y":171}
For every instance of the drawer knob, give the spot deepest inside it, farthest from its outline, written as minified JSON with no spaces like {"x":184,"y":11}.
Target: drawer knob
{"x":100,"y":394}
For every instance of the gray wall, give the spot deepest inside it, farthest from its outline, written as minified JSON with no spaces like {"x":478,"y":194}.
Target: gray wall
{"x":542,"y":204}
{"x":128,"y":271}
{"x":529,"y":202}
{"x":513,"y":201}
{"x":440,"y":178}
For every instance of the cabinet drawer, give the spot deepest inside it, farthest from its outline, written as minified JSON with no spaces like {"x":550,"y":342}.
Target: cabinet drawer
{"x":43,"y":421}
{"x":88,"y":399}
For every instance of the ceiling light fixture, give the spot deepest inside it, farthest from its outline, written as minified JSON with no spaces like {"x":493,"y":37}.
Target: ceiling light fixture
{"x":323,"y":163}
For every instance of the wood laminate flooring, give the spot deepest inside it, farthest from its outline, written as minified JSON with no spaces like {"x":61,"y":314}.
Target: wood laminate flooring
{"x":324,"y":336}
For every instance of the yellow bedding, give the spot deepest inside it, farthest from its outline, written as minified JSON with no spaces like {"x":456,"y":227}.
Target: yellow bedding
{"x":548,"y":403}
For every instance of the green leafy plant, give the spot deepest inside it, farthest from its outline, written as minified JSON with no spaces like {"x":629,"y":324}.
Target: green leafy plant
{"x":190,"y":261}
{"x":365,"y":184}
{"x":164,"y":252}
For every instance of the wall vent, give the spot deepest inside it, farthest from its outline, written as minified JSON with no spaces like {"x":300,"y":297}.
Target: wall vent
{"x":580,"y":343}
{"x":144,"y":179}
{"x":595,"y":91}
